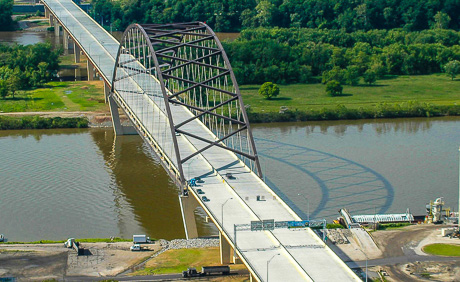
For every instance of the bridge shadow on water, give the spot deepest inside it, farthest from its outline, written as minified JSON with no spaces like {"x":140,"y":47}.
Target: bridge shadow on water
{"x":328,"y":181}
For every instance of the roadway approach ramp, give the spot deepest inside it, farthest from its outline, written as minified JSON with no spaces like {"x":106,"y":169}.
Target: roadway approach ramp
{"x":281,"y":254}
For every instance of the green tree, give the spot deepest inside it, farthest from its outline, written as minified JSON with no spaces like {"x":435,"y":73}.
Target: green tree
{"x":336,"y":73}
{"x":269,"y":90}
{"x":6,"y":11}
{"x":452,"y":68}
{"x":352,"y":75}
{"x":441,"y":20}
{"x":334,"y":88}
{"x":3,"y":88}
{"x":14,"y":84}
{"x":370,"y":76}
{"x":264,"y":13}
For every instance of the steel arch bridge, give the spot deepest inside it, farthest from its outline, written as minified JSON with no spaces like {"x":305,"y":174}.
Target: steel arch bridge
{"x":176,"y":86}
{"x":183,"y":65}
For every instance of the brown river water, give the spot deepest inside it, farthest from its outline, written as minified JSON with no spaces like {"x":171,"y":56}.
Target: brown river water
{"x":85,"y":183}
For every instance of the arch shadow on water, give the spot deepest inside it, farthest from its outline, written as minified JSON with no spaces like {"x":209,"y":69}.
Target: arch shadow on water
{"x":338,"y":182}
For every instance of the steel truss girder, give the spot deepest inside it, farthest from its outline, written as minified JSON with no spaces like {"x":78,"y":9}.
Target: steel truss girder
{"x":193,"y":71}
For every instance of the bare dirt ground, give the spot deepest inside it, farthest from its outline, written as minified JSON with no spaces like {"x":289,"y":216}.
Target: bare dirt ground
{"x":402,"y":255}
{"x":37,"y":262}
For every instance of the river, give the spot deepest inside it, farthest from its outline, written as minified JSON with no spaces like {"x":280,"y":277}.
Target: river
{"x":85,"y":183}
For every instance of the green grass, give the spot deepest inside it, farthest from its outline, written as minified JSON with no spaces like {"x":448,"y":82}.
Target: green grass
{"x":176,"y":261}
{"x":57,"y":96}
{"x":443,"y":250}
{"x":84,"y":240}
{"x":435,"y":89}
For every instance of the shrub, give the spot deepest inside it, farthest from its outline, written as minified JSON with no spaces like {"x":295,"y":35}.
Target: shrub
{"x":334,"y":88}
{"x":269,"y":90}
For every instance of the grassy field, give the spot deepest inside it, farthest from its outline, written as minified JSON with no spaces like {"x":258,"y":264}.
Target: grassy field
{"x":58,"y":96}
{"x":443,"y":250}
{"x":176,"y":261}
{"x":436,"y":89}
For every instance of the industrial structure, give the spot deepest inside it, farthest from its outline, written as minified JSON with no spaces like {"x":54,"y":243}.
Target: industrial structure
{"x":175,"y":84}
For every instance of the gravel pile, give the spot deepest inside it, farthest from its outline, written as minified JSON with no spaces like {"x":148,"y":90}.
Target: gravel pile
{"x":193,"y":243}
{"x":185,"y":244}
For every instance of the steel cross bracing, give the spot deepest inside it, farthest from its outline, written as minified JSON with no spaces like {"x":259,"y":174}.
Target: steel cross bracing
{"x":144,"y":95}
{"x":192,"y":70}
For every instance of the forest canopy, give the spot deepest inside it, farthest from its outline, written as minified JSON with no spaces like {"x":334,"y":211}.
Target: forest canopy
{"x":234,"y":15}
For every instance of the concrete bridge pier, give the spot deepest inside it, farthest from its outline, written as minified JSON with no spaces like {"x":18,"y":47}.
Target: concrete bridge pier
{"x":106,"y":92}
{"x":188,"y":204}
{"x":65,"y":41}
{"x":90,"y":69}
{"x":51,"y":18}
{"x":77,"y":74}
{"x":116,"y":122}
{"x":57,"y":29}
{"x":226,"y":250}
{"x":47,"y":13}
{"x":77,"y":52}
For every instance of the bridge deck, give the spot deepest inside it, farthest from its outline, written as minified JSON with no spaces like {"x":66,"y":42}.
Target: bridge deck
{"x":303,"y":256}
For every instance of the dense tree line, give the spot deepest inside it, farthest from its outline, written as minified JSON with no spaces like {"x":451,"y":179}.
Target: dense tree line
{"x":382,"y":110}
{"x":37,"y":122}
{"x":297,"y":55}
{"x":234,"y":15}
{"x":23,"y":67}
{"x":6,"y":11}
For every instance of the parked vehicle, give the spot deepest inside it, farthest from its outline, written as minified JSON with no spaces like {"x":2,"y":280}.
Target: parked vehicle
{"x":135,"y":248}
{"x":199,"y":191}
{"x":141,"y":239}
{"x":205,"y":199}
{"x":2,"y":238}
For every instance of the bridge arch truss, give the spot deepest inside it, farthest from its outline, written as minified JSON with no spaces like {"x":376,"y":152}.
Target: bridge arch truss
{"x":183,"y":73}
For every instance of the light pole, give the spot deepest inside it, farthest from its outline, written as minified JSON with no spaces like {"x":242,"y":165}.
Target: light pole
{"x":308,"y":205}
{"x":268,"y":262}
{"x":366,"y":261}
{"x":223,"y":211}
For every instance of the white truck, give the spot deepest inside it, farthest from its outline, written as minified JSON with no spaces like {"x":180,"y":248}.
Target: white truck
{"x":141,"y":239}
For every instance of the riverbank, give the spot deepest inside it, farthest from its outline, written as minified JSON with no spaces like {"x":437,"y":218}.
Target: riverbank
{"x":110,"y":260}
{"x":395,"y":97}
{"x":37,"y":122}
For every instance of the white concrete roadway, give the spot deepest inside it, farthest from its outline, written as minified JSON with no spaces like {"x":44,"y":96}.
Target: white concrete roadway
{"x":302,"y":255}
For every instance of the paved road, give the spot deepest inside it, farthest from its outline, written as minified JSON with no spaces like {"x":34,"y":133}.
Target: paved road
{"x":162,"y":277}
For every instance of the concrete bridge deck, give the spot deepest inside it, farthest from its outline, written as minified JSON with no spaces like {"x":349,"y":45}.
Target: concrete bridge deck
{"x":294,"y":255}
